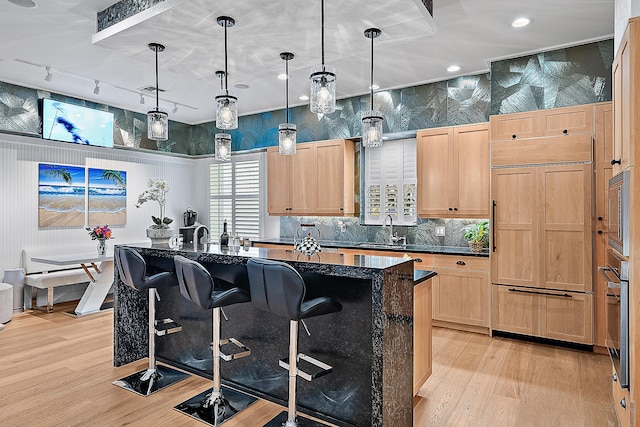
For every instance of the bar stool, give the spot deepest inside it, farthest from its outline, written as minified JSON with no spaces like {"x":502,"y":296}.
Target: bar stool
{"x":278,"y":288}
{"x":196,"y":284}
{"x":132,"y":269}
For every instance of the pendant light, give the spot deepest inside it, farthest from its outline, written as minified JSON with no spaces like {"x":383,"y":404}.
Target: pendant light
{"x":372,"y":120}
{"x":287,"y":131}
{"x":157,"y":119}
{"x":323,"y":84}
{"x":226,"y":103}
{"x":222,"y":140}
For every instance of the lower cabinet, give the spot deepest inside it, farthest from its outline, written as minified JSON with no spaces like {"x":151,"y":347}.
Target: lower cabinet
{"x":621,"y":402}
{"x":461,"y":290}
{"x":558,"y":315}
{"x":421,"y":334}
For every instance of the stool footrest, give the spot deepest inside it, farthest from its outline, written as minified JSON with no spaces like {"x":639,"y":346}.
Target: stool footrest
{"x":321,"y":369}
{"x":227,"y":357}
{"x":167,"y":326}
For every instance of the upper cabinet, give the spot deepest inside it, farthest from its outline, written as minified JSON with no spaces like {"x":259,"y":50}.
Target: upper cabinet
{"x":317,"y":180}
{"x":453,"y":172}
{"x":551,"y":122}
{"x":624,"y":76}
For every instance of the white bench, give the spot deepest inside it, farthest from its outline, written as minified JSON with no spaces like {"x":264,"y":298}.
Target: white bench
{"x":47,"y":276}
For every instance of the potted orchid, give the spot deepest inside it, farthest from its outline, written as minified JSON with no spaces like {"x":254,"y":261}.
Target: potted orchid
{"x":101,"y":233}
{"x":159,"y":232}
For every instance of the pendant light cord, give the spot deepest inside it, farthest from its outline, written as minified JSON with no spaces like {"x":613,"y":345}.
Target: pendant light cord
{"x":286,"y":85}
{"x":157,"y":87}
{"x":322,"y":15}
{"x":226,"y":84}
{"x":371,"y":85}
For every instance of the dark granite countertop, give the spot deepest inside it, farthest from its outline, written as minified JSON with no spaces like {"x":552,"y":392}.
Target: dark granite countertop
{"x":420,"y":276}
{"x":444,"y":250}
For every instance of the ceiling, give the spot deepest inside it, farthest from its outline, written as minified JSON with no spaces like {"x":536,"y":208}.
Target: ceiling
{"x":412,"y":49}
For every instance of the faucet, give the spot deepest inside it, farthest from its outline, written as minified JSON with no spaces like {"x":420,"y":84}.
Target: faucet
{"x":205,"y":236}
{"x":393,"y":237}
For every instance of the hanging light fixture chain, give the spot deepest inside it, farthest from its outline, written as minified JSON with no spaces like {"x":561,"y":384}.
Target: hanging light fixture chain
{"x":371,"y":84}
{"x":286,"y":86}
{"x":226,"y":83}
{"x":157,"y":87}
{"x":322,"y":15}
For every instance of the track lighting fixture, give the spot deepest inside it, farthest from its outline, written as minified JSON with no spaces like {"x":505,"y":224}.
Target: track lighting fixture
{"x":96,"y":89}
{"x":175,"y":108}
{"x":48,"y":77}
{"x":141,"y":99}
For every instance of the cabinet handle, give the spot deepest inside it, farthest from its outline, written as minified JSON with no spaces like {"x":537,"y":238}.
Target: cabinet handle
{"x":493,"y":224}
{"x":565,"y":131}
{"x":616,"y":162}
{"x":513,"y":136}
{"x":461,"y":262}
{"x":455,"y":209}
{"x":450,"y":209}
{"x":623,"y":403}
{"x":614,"y":377}
{"x":341,"y":209}
{"x":417,"y":259}
{"x":522,"y":291}
{"x":600,"y":218}
{"x":599,"y":231}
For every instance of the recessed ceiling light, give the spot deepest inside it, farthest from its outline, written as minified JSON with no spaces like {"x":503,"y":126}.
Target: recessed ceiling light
{"x":241,"y":86}
{"x":454,"y":68}
{"x":24,"y":3}
{"x":374,"y":87}
{"x":521,"y":22}
{"x":304,"y":98}
{"x":282,"y":76}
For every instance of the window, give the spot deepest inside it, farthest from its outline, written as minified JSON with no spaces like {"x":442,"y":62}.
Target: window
{"x":235,"y":196}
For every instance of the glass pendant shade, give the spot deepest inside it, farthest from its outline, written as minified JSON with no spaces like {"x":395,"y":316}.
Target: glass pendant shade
{"x":287,"y":133}
{"x":372,"y":129}
{"x":223,"y":147}
{"x":157,"y":125}
{"x":323,"y":89}
{"x":226,"y":111}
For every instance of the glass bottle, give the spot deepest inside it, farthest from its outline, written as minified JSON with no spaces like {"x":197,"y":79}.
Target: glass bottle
{"x":224,"y":237}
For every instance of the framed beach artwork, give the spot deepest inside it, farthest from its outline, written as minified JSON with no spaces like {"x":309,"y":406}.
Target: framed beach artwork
{"x":107,"y":197}
{"x":61,"y":194}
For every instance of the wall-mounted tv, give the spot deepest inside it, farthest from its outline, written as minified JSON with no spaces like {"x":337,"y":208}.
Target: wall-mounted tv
{"x":73,"y":123}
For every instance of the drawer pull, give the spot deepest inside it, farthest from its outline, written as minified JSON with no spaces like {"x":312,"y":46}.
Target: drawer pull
{"x":461,"y":263}
{"x":616,"y":162}
{"x":623,"y":403}
{"x":600,"y":218}
{"x":522,"y":291}
{"x":614,"y":377}
{"x":513,"y":136}
{"x":565,"y":131}
{"x":417,"y":259}
{"x":599,"y":231}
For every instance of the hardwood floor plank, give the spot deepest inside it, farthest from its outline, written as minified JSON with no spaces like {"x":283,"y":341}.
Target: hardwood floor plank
{"x":514,"y":370}
{"x":501,"y":412}
{"x":459,"y":419}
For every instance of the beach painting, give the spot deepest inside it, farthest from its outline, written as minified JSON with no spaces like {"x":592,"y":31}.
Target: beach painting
{"x":107,"y":197}
{"x":61,"y":194}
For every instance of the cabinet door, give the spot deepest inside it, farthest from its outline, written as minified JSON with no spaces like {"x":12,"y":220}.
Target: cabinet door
{"x":622,"y":106}
{"x":461,"y":297}
{"x":566,"y":121}
{"x":515,"y":235}
{"x":514,"y":311}
{"x":435,"y":171}
{"x":564,"y":201}
{"x":330,"y":176}
{"x":514,"y":126}
{"x":278,"y":182}
{"x":421,"y":334}
{"x":471,"y":176}
{"x":567,"y":317}
{"x":302,"y":180}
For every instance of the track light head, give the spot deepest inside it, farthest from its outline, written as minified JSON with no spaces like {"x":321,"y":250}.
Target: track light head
{"x":96,"y":89}
{"x":48,"y":77}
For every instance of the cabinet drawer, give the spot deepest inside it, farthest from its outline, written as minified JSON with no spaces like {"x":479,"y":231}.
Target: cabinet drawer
{"x":624,"y":416}
{"x":461,"y":262}
{"x":422,"y":261}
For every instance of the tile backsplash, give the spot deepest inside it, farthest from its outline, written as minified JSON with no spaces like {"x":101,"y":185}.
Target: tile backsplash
{"x":422,"y":234}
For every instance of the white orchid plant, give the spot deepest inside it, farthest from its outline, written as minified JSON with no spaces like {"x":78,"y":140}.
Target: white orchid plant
{"x":157,"y":190}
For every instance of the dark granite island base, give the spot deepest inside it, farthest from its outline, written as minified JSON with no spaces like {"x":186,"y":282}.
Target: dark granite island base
{"x":369,"y":343}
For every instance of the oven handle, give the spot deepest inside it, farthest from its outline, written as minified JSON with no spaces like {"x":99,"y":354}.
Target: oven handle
{"x":540,"y":293}
{"x":604,"y":271}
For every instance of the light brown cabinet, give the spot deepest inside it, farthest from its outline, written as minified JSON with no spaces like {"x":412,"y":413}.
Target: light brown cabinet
{"x":317,"y":180}
{"x":453,"y":172}
{"x":565,"y":316}
{"x":461,"y":290}
{"x":624,"y":85}
{"x":507,"y":127}
{"x":422,"y":365}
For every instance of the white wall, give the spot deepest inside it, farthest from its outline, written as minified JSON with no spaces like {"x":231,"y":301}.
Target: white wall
{"x":19,"y":159}
{"x":624,"y":9}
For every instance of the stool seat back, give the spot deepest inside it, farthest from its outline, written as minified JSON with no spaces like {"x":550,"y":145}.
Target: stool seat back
{"x":276,"y":287}
{"x":132,"y":270}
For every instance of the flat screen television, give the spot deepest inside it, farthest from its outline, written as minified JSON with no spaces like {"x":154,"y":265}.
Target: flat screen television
{"x":76,"y":124}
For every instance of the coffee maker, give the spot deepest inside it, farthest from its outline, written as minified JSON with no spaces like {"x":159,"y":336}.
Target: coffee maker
{"x":190,"y":217}
{"x":190,"y":222}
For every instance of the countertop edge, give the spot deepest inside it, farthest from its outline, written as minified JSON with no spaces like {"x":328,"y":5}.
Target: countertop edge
{"x":420,"y":276}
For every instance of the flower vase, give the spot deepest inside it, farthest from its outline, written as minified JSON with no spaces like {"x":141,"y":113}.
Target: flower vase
{"x":102,"y":247}
{"x":159,"y":237}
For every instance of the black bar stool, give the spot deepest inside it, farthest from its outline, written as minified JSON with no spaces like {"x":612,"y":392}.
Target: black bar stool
{"x":132,"y":269}
{"x":196,"y":284}
{"x":278,"y":288}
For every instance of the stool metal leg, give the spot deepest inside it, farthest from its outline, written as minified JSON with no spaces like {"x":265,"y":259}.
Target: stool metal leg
{"x":154,"y":378}
{"x":293,"y":373}
{"x":220,"y":403}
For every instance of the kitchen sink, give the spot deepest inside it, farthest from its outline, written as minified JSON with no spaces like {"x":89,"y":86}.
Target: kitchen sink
{"x":370,"y":245}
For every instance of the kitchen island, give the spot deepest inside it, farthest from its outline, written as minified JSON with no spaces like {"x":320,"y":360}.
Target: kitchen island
{"x":370,"y":343}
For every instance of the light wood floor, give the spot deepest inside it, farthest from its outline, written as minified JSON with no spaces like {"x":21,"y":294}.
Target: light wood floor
{"x":56,"y":370}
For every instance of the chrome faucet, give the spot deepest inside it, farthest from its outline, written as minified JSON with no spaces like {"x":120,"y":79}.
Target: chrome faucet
{"x":205,"y":236}
{"x":393,"y":237}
